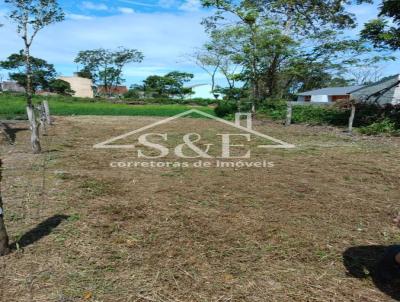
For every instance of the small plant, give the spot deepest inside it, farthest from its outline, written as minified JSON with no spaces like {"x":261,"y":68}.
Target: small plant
{"x":383,"y":127}
{"x":225,"y":108}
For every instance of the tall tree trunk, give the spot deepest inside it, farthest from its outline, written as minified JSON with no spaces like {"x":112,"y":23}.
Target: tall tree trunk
{"x":4,"y":245}
{"x":30,"y":109}
{"x":28,"y":75}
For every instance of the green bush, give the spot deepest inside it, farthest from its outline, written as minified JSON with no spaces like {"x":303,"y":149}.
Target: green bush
{"x":132,"y":94}
{"x":195,"y":101}
{"x":383,"y":127}
{"x":317,"y":115}
{"x":225,"y":108}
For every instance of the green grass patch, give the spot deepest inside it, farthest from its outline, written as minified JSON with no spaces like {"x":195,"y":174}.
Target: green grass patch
{"x":13,"y":107}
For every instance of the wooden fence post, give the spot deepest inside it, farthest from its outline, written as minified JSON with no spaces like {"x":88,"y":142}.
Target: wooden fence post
{"x":34,"y":130}
{"x":289,"y":113}
{"x":43,"y":118}
{"x":47,"y":112}
{"x":352,"y":115}
{"x":4,"y":245}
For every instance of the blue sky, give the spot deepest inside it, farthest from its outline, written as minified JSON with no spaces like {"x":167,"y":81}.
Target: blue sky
{"x":164,"y":30}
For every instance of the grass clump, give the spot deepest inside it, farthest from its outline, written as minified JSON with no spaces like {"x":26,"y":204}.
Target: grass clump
{"x":383,"y":127}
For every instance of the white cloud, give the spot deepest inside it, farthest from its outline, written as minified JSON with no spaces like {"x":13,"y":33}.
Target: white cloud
{"x":94,"y":6}
{"x":138,"y":3}
{"x":162,"y":37}
{"x":166,"y":3}
{"x":78,"y":17}
{"x":126,"y":10}
{"x":190,"y":6}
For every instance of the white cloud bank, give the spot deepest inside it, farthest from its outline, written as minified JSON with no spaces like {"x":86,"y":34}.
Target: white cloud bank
{"x":191,"y":6}
{"x":162,"y":37}
{"x":126,"y":10}
{"x":94,"y":6}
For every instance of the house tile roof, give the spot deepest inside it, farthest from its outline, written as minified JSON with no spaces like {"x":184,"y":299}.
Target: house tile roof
{"x":114,"y":90}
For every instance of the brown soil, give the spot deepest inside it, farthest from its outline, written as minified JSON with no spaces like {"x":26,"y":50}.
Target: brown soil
{"x":88,"y":232}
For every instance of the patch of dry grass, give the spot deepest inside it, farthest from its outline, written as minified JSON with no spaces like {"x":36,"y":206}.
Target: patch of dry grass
{"x":175,"y":234}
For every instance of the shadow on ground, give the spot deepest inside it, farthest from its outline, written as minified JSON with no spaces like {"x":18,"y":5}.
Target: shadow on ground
{"x":368,"y":261}
{"x":43,"y":229}
{"x":11,"y":133}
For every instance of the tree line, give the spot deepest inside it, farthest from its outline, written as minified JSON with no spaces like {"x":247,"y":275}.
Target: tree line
{"x":270,"y":49}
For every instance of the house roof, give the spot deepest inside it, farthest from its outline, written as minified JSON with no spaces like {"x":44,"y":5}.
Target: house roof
{"x":11,"y":86}
{"x":384,"y":91}
{"x":114,"y":90}
{"x":332,"y":91}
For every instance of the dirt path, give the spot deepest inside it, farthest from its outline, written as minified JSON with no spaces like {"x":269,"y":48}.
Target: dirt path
{"x":187,"y":234}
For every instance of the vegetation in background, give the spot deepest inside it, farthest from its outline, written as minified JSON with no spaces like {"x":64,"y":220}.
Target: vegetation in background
{"x":225,"y":108}
{"x":336,"y":114}
{"x":105,"y":66}
{"x":171,"y":85}
{"x":384,"y":32}
{"x":285,"y":46}
{"x":383,"y":127}
{"x":13,"y":107}
{"x":61,"y":87}
{"x":42,"y":73}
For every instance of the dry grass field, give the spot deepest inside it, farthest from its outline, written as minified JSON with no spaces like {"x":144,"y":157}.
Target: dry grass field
{"x":307,"y":229}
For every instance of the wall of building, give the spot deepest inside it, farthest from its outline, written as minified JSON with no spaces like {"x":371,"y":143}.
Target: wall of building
{"x":320,"y":98}
{"x":83,"y":87}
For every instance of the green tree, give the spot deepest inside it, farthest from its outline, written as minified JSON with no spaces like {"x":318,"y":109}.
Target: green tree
{"x":85,"y":73}
{"x":105,"y":66}
{"x":42,"y":73}
{"x":170,"y":85}
{"x":285,"y":45}
{"x":61,"y":87}
{"x":31,"y":16}
{"x":384,"y":32}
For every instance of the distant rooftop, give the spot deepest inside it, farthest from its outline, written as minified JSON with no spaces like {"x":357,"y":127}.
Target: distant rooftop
{"x":332,"y":91}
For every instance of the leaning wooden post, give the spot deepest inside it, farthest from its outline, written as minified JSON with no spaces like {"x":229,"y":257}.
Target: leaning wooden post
{"x":43,"y":118}
{"x":4,"y":245}
{"x":289,"y":113}
{"x":352,"y":115}
{"x":47,"y":112}
{"x":34,"y":129}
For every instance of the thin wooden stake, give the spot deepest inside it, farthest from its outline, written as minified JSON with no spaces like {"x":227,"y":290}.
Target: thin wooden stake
{"x":47,"y":112}
{"x":289,"y":114}
{"x":4,"y":244}
{"x":352,"y":115}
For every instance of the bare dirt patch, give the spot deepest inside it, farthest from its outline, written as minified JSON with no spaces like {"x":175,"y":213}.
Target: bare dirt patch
{"x":186,"y":234}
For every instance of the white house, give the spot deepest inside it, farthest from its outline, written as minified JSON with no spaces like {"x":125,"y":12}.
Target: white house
{"x":386,"y":91}
{"x":327,"y":95}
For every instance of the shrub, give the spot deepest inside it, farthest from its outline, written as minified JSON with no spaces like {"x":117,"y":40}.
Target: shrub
{"x":195,"y":101}
{"x":61,"y":87}
{"x":383,"y":127}
{"x":225,"y":108}
{"x":277,"y":109}
{"x":132,"y":94}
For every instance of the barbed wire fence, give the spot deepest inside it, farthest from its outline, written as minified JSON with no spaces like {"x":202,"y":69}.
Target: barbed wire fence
{"x":36,"y":195}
